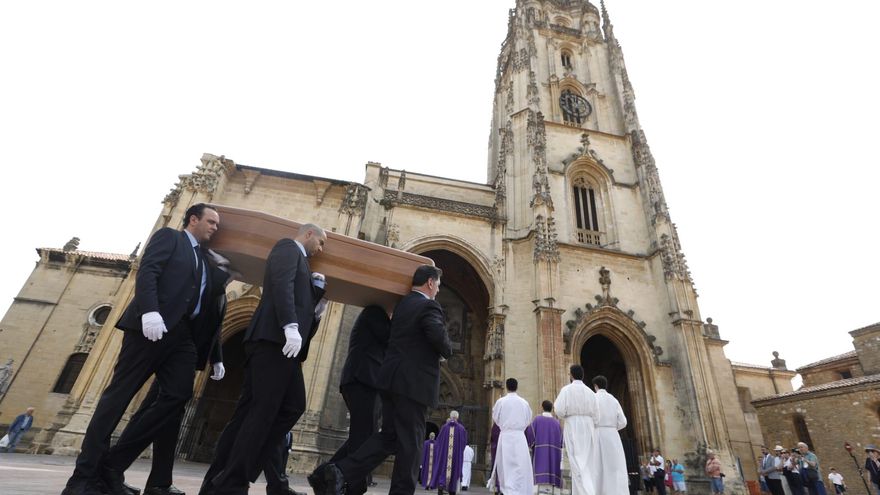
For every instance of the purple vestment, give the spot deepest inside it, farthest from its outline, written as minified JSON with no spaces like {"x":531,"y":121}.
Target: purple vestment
{"x":427,"y":462}
{"x":449,"y":452}
{"x":547,"y":454}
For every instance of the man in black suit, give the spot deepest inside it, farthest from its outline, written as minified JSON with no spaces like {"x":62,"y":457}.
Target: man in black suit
{"x":277,"y":341}
{"x":410,"y":382}
{"x":161,"y":327}
{"x":208,"y":339}
{"x":359,"y":388}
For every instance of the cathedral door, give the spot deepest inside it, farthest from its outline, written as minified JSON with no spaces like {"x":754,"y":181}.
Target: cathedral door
{"x":600,"y":356}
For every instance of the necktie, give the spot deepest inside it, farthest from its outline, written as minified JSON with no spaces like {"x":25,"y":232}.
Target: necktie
{"x":194,"y":304}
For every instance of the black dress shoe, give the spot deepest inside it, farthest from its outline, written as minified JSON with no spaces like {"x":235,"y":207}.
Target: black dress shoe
{"x":163,"y":490}
{"x":131,"y":489}
{"x":316,"y":480}
{"x":82,"y":488}
{"x":334,"y":481}
{"x":284,"y":491}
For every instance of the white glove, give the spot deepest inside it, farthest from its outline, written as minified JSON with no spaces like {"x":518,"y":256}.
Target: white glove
{"x":219,"y":371}
{"x":153,"y":325}
{"x":293,"y":338}
{"x":320,"y":308}
{"x":318,"y":280}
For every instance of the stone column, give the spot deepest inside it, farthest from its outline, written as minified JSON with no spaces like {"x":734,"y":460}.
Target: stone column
{"x":551,"y":356}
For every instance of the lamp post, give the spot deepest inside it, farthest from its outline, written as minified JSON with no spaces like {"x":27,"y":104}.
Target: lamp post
{"x":849,"y":449}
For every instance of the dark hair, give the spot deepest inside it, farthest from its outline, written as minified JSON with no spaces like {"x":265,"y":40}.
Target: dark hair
{"x":511,"y":384}
{"x":547,"y":406}
{"x":577,"y":371}
{"x":198,"y":210}
{"x":424,"y":273}
{"x":601,"y":382}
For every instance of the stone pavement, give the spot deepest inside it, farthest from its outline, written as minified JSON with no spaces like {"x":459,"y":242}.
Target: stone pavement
{"x":24,"y":474}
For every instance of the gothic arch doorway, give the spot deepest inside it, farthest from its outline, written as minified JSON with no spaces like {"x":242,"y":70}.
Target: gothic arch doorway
{"x":600,"y":356}
{"x":214,"y":401}
{"x":465,"y":300}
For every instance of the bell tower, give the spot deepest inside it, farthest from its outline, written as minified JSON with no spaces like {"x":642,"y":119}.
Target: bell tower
{"x":578,"y":194}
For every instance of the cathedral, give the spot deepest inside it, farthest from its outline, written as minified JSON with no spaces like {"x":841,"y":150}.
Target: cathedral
{"x":566,"y":254}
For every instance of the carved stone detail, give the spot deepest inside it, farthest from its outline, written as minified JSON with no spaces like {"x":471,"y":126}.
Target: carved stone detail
{"x":250,"y":177}
{"x":205,"y":179}
{"x":434,"y":203}
{"x":493,"y":358}
{"x":546,"y":245}
{"x":508,"y":104}
{"x":537,"y":141}
{"x":392,"y":235}
{"x":321,"y":188}
{"x":674,"y":262}
{"x":649,"y":177}
{"x":581,"y":315}
{"x":355,"y":199}
{"x":532,"y":91}
{"x":5,"y":376}
{"x":72,"y":245}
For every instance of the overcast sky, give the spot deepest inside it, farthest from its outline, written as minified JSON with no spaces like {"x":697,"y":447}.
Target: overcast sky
{"x":760,"y":116}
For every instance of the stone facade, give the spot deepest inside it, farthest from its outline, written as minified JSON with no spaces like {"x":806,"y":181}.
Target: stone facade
{"x":838,"y":403}
{"x":567,"y":254}
{"x":51,"y":326}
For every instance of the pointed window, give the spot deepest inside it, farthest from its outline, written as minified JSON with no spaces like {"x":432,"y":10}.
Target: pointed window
{"x":70,"y":373}
{"x":801,"y":430}
{"x":586,"y":213}
{"x":566,"y":60}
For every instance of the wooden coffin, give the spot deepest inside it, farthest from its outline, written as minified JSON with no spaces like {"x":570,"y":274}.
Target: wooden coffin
{"x":358,"y":272}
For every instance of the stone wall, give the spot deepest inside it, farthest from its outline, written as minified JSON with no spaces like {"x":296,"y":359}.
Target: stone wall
{"x":832,"y":417}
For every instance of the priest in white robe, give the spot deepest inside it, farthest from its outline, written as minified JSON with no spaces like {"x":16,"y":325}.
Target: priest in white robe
{"x":513,"y":463}
{"x":611,"y":478}
{"x":577,"y":406}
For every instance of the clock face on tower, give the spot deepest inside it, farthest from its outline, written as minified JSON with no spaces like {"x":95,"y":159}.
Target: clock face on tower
{"x":575,"y":105}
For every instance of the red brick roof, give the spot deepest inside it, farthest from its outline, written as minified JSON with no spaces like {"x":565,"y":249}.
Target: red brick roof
{"x":849,"y":382}
{"x":839,"y":357}
{"x":90,"y":254}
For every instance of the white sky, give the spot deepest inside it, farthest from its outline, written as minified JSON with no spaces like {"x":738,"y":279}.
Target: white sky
{"x":760,"y":115}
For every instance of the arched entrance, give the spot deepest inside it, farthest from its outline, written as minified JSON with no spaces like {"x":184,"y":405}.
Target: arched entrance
{"x":214,"y":401}
{"x":599,"y":356}
{"x":465,"y":301}
{"x":611,"y":343}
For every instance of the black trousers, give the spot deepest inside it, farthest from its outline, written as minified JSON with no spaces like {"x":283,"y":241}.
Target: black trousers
{"x":275,"y":468}
{"x":660,"y":481}
{"x":794,"y":482}
{"x":402,"y":434}
{"x":361,"y":402}
{"x":164,"y":444}
{"x":775,"y":486}
{"x":173,"y":360}
{"x":273,"y":398}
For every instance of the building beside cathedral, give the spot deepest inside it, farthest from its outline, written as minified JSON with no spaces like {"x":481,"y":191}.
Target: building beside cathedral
{"x":567,"y":254}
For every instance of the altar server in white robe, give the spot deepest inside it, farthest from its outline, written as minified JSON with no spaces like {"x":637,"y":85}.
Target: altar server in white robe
{"x":467,"y":462}
{"x":513,"y":463}
{"x":611,"y":478}
{"x":577,"y":406}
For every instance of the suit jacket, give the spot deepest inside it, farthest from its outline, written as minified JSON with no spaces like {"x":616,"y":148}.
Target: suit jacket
{"x":366,"y":347}
{"x":166,"y":281}
{"x":288,"y":297}
{"x":418,"y":340}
